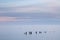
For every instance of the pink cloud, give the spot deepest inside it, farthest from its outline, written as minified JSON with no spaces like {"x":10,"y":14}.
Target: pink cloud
{"x":6,"y":19}
{"x":13,"y":19}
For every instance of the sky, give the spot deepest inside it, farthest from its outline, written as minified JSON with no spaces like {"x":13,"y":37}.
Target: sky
{"x":19,"y":16}
{"x":30,"y":12}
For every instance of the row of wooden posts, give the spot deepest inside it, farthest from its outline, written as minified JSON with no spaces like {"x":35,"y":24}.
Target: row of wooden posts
{"x":35,"y":32}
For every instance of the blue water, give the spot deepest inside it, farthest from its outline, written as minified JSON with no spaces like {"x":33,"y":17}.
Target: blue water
{"x":17,"y":32}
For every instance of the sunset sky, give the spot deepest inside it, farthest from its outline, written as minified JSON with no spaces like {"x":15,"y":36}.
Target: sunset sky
{"x":29,"y":12}
{"x":20,"y":16}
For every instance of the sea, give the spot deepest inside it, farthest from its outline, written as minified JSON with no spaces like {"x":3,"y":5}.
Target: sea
{"x":30,"y":32}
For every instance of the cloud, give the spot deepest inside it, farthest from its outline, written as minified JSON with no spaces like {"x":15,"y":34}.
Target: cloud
{"x":44,"y":12}
{"x":14,"y":3}
{"x":31,"y":9}
{"x":38,"y":6}
{"x":14,"y":19}
{"x":27,"y":6}
{"x":6,"y":19}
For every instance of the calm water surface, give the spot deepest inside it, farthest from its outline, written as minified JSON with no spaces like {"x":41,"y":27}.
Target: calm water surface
{"x":17,"y":32}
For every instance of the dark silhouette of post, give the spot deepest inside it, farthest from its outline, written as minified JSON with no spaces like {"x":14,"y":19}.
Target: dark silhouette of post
{"x":30,"y":33}
{"x":25,"y":33}
{"x":45,"y":32}
{"x":40,"y":32}
{"x":36,"y":32}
